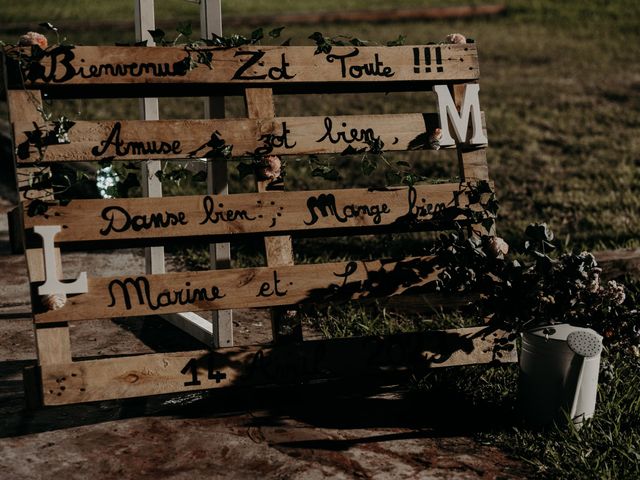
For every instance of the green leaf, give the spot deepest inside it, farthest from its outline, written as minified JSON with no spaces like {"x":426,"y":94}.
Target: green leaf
{"x":350,"y":150}
{"x":317,"y":37}
{"x":157,"y":35}
{"x":245,"y":169}
{"x":393,"y":177}
{"x":185,"y":29}
{"x":368,"y":165}
{"x":397,"y":42}
{"x":326,"y":172}
{"x":539,"y":232}
{"x":37,"y":207}
{"x":275,"y":33}
{"x":200,"y":176}
{"x":257,"y":35}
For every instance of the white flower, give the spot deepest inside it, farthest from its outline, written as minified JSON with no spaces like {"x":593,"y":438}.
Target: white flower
{"x":456,"y":38}
{"x":615,"y":291}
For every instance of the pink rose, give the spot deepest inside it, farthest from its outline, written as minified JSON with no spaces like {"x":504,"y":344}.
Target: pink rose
{"x":456,"y":38}
{"x":33,"y":38}
{"x":270,"y":169}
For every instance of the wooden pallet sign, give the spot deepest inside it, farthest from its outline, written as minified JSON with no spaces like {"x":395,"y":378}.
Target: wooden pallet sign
{"x":272,"y":213}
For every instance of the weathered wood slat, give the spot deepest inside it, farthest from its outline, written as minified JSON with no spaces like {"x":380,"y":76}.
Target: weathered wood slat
{"x":272,"y":212}
{"x":183,"y":139}
{"x":134,"y":295}
{"x":93,"y":380}
{"x":278,"y":249}
{"x":247,"y":65}
{"x":53,"y":342}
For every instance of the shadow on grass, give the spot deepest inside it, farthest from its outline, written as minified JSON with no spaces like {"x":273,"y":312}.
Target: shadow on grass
{"x":343,"y":405}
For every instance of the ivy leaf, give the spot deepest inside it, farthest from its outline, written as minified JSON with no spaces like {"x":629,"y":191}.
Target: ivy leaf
{"x":357,"y":42}
{"x":157,"y":35}
{"x":322,"y":44}
{"x":286,"y":43}
{"x":257,"y":35}
{"x":245,"y":169}
{"x":376,"y":146}
{"x":488,"y":224}
{"x":48,"y":26}
{"x":484,"y":187}
{"x":326,"y":172}
{"x":393,"y":177}
{"x":143,"y":43}
{"x":37,"y":207}
{"x":131,"y":181}
{"x":185,"y":29}
{"x":368,"y":165}
{"x":539,"y":232}
{"x":317,"y":37}
{"x":275,"y":33}
{"x":200,"y":176}
{"x":397,"y":42}
{"x":350,"y":150}
{"x":402,"y":163}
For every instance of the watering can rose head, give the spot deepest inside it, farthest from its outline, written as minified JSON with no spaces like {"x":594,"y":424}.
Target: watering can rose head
{"x":534,"y":286}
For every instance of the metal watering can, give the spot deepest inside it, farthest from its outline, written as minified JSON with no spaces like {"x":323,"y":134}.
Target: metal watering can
{"x":559,"y":367}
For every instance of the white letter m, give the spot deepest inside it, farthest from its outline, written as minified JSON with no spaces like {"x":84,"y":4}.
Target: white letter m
{"x":460,"y":121}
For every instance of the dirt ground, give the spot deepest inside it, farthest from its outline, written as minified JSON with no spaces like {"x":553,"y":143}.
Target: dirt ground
{"x":338,"y":431}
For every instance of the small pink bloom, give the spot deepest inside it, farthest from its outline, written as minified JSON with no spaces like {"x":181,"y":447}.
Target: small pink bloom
{"x":434,"y":139}
{"x":33,"y":38}
{"x":271,"y":169}
{"x":456,"y":38}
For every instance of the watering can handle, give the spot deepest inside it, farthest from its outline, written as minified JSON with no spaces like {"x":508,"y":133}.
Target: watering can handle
{"x":576,"y":395}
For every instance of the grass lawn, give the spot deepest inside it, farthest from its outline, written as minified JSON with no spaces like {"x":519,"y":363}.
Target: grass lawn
{"x":561,"y":91}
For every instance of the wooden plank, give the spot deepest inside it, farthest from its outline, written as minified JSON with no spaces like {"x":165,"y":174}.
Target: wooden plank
{"x":125,"y":377}
{"x":180,"y":139}
{"x":279,"y":250}
{"x":252,"y":65}
{"x":125,"y":296}
{"x":472,"y":161}
{"x":53,"y":344}
{"x":619,"y":263}
{"x":271,"y":212}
